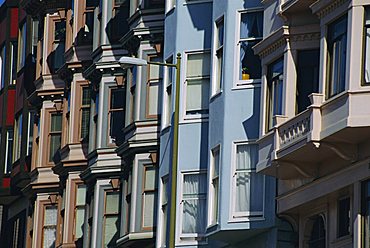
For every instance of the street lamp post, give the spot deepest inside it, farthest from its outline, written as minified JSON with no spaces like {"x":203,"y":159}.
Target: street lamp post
{"x":128,"y":62}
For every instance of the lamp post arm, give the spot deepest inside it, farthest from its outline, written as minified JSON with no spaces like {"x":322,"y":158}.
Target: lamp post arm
{"x":161,"y":64}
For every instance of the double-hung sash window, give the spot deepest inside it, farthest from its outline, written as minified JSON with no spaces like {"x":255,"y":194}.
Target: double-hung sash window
{"x":9,"y":150}
{"x":215,"y":183}
{"x":197,"y":83}
{"x":110,"y":218}
{"x":49,"y":228}
{"x":18,"y":137}
{"x":116,"y":113}
{"x":275,"y":79}
{"x":22,"y":45}
{"x":58,"y":45}
{"x":168,"y":78}
{"x":85,"y":113}
{"x":80,"y":211}
{"x":251,"y":32}
{"x":337,"y":49}
{"x":249,"y":186}
{"x":219,"y":47}
{"x":13,"y":63}
{"x":194,"y":212}
{"x":154,"y":79}
{"x":344,"y":217}
{"x":2,"y":65}
{"x":164,"y":208}
{"x":55,"y":134}
{"x":367,"y":46}
{"x":89,"y":21}
{"x":30,"y":125}
{"x":149,"y":197}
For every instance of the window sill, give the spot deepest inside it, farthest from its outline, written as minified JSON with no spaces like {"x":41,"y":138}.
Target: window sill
{"x":194,"y":119}
{"x":187,"y":2}
{"x":247,"y":84}
{"x":215,"y":95}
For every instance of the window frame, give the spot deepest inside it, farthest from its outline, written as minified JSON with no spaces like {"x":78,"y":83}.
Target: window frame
{"x":192,"y":237}
{"x":218,"y":58}
{"x":22,"y":45}
{"x":17,"y":139}
{"x":338,"y":234}
{"x":111,"y":140}
{"x":106,"y":191}
{"x":366,"y":46}
{"x":196,"y":116}
{"x":214,"y":178}
{"x":9,"y":157}
{"x":43,"y":207}
{"x":251,"y":215}
{"x":144,"y":191}
{"x":164,"y":189}
{"x":329,"y":80}
{"x":83,"y":107}
{"x":3,"y":60}
{"x":152,"y":82}
{"x":77,"y":207}
{"x":51,"y":133}
{"x":239,"y":83}
{"x":167,"y":92}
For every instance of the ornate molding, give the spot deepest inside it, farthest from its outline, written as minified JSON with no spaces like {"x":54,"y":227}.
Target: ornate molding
{"x":330,"y":8}
{"x":305,"y":37}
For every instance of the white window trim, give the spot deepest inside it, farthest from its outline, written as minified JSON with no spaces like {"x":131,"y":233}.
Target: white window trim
{"x":160,"y":223}
{"x":187,"y":2}
{"x":210,"y":203}
{"x":238,"y":83}
{"x":188,"y":239}
{"x":243,"y":216}
{"x":195,"y":117}
{"x":214,"y":70}
{"x":169,"y":7}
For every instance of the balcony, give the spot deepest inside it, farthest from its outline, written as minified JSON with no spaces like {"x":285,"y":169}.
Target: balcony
{"x":328,"y":131}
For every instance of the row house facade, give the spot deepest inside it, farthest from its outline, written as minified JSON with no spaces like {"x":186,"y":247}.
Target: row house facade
{"x":313,"y":134}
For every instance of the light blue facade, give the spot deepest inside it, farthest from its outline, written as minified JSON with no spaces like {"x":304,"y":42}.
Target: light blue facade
{"x":233,"y":119}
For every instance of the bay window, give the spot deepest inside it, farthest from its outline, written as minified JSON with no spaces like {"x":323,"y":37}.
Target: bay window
{"x":367,"y":46}
{"x":251,"y":32}
{"x":274,"y":91}
{"x":249,"y":186}
{"x":219,"y":47}
{"x":337,"y":49}
{"x":197,"y":83}
{"x":194,"y":212}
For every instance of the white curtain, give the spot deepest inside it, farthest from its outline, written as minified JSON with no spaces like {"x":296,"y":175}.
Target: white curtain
{"x":50,"y":222}
{"x":197,"y":94}
{"x":194,"y":203}
{"x":249,"y":185}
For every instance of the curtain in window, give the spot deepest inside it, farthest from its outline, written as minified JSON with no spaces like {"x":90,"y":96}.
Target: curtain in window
{"x":197,"y":95}
{"x":194,"y":203}
{"x":251,"y":25}
{"x":249,"y":185}
{"x":50,"y":222}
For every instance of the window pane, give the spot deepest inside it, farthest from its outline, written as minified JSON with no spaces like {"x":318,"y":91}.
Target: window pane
{"x":246,"y":157}
{"x":85,"y":122}
{"x":110,"y":231}
{"x":3,"y":65}
{"x":153,"y":99}
{"x":149,"y":206}
{"x":55,"y":140}
{"x":49,"y":237}
{"x":251,"y":25}
{"x":242,"y":201}
{"x":216,"y":162}
{"x":150,"y":175}
{"x":367,"y":54}
{"x":50,"y":217}
{"x":194,"y":215}
{"x":344,"y":214}
{"x":116,"y":123}
{"x":80,"y":214}
{"x":85,"y":96}
{"x":81,"y":195}
{"x":195,"y":184}
{"x":198,"y":65}
{"x":197,"y":96}
{"x":250,"y":64}
{"x":56,"y":122}
{"x":118,"y":98}
{"x":112,"y":199}
{"x":220,"y":34}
